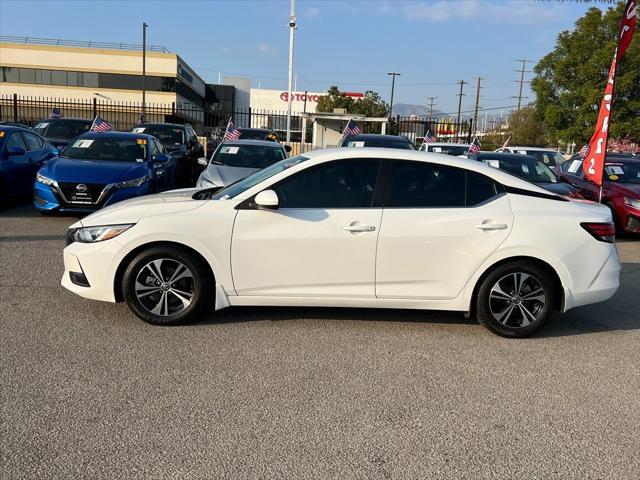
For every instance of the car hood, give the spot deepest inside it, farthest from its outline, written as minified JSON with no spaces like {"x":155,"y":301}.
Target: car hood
{"x":132,"y":210}
{"x":92,"y":171}
{"x":559,"y":188}
{"x":223,"y":175}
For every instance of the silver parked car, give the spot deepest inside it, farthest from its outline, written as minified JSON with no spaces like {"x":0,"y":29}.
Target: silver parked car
{"x":236,"y":159}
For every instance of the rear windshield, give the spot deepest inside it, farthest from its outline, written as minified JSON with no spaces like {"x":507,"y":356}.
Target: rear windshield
{"x":169,"y":136}
{"x":548,"y":157}
{"x":67,"y":129}
{"x":248,"y":156}
{"x":380,"y":143}
{"x":250,"y":134}
{"x":531,"y":170}
{"x":108,"y":149}
{"x":455,"y":150}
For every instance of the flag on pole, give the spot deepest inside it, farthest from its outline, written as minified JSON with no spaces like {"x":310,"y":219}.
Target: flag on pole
{"x":100,"y":125}
{"x":475,"y":146}
{"x":593,"y":163}
{"x":141,"y":119}
{"x":506,"y":142}
{"x":428,"y":138}
{"x":55,"y":113}
{"x":231,"y":133}
{"x":584,"y":151}
{"x":351,"y":128}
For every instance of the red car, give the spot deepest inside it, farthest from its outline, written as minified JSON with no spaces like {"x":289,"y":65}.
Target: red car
{"x":621,"y":190}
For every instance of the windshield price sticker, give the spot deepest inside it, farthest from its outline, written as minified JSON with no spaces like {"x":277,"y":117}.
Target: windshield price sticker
{"x":614,"y":170}
{"x":85,"y":143}
{"x":493,"y":163}
{"x":42,"y":125}
{"x":138,"y":130}
{"x":522,"y":152}
{"x":525,"y":168}
{"x":230,"y":150}
{"x":437,"y":149}
{"x":141,"y":141}
{"x":356,"y":144}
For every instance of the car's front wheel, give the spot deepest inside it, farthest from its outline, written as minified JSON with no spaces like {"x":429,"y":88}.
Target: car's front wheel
{"x":166,"y":285}
{"x":516,"y":299}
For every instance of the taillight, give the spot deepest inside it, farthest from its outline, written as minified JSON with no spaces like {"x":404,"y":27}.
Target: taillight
{"x":605,"y":232}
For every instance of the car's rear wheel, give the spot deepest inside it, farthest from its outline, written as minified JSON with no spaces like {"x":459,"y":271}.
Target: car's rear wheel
{"x":516,"y":299}
{"x":166,"y":285}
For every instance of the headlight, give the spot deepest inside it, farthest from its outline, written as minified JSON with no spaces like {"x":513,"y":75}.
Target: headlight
{"x":44,"y":180}
{"x":96,"y":234}
{"x":136,"y":182}
{"x":204,"y":183}
{"x":632,"y":202}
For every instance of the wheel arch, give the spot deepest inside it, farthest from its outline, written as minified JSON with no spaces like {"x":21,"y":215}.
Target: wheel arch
{"x":122,"y":266}
{"x":547,"y":267}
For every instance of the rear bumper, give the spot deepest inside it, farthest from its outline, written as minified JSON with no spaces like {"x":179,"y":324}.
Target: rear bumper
{"x":601,"y":287}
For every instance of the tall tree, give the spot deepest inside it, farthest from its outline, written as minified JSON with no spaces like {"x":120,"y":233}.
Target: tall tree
{"x":569,"y":81}
{"x":371,"y":105}
{"x":526,"y":128}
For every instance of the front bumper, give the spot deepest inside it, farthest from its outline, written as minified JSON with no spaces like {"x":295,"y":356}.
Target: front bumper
{"x":48,"y":199}
{"x":629,"y":218}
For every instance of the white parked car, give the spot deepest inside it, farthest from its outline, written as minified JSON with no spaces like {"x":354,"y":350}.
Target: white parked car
{"x":453,"y":149}
{"x":352,"y":227}
{"x":548,"y":156}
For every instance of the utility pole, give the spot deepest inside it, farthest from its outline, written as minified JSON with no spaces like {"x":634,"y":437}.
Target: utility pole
{"x":292,"y":29}
{"x":431,"y":99}
{"x":475,"y":114}
{"x":144,"y":70}
{"x":393,"y":85}
{"x":458,"y":119}
{"x":522,"y":81}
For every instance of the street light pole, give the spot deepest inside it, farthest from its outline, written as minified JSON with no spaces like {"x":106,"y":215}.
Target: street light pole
{"x":292,"y":29}
{"x":393,"y":85}
{"x":144,"y":69}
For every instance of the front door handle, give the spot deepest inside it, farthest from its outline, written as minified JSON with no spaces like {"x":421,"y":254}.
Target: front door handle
{"x":492,"y":226}
{"x":359,"y":228}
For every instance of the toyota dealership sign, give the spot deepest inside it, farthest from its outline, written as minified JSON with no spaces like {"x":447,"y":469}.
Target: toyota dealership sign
{"x":263,"y":99}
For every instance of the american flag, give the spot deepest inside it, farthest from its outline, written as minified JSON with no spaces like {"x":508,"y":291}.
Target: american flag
{"x":475,"y":146}
{"x":141,"y":119}
{"x":232,"y":133}
{"x":506,"y":142}
{"x":352,"y":128}
{"x":584,"y":151}
{"x":100,"y":125}
{"x":55,"y":113}
{"x":428,"y":138}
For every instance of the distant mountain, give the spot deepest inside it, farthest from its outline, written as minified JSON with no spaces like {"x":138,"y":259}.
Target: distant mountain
{"x":408,"y":109}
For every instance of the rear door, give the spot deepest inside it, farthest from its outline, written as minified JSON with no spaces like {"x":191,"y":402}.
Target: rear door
{"x":439,"y":224}
{"x":18,"y":170}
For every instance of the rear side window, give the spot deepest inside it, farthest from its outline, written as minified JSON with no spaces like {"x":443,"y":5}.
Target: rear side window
{"x":422,"y":185}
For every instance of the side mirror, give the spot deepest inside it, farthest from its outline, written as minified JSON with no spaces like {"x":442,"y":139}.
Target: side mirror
{"x":161,"y":158}
{"x":267,"y":199}
{"x":287,"y":148}
{"x":55,"y":152}
{"x":203,"y":161}
{"x":16,"y":151}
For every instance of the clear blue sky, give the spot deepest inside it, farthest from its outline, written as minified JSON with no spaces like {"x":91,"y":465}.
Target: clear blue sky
{"x":349,"y":43}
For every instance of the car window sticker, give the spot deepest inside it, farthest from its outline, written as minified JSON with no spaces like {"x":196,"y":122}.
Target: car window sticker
{"x":437,"y":149}
{"x":525,"y":168}
{"x":230,"y":150}
{"x":492,"y":163}
{"x":522,"y":152}
{"x":614,"y":170}
{"x":42,"y":125}
{"x":573,"y":168}
{"x":138,"y":130}
{"x":83,"y":143}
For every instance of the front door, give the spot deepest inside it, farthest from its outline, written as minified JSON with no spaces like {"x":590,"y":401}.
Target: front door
{"x":439,"y":225}
{"x":321,"y":241}
{"x":18,"y":169}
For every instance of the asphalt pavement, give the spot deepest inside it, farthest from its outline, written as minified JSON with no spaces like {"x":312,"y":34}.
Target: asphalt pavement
{"x":89,"y":391}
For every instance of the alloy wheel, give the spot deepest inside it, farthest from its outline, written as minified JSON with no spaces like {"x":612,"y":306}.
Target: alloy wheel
{"x":517,"y":300}
{"x":165,"y":287}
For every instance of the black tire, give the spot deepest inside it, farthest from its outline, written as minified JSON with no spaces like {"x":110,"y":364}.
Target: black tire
{"x":152,"y":294}
{"x":516,"y":299}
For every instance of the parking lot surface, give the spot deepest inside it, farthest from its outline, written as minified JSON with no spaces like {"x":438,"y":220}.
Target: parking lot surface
{"x":89,"y":391}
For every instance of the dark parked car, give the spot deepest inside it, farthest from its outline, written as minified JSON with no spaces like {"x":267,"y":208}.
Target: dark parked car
{"x":22,"y":153}
{"x":182,"y":143}
{"x":258,"y":134}
{"x":528,"y":168}
{"x":621,"y":187}
{"x":6,"y":123}
{"x":375,"y":140}
{"x":60,"y":131}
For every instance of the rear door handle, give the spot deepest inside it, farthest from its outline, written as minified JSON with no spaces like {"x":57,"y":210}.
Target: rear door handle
{"x":359,"y":228}
{"x":492,"y":226}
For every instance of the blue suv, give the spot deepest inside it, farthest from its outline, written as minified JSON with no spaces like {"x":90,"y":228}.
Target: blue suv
{"x":22,"y":153}
{"x":101,"y":168}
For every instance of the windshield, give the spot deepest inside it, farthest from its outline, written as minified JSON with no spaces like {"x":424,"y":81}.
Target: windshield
{"x":628,"y":172}
{"x":261,"y":175}
{"x":257,"y":134}
{"x":380,"y":143}
{"x":548,"y":157}
{"x":68,"y":129}
{"x":454,"y":150}
{"x":108,"y":149}
{"x":530,"y":170}
{"x":248,"y":156}
{"x":169,"y":136}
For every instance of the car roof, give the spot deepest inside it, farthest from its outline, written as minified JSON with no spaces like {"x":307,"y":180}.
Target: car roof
{"x":113,"y":134}
{"x":446,"y":144}
{"x":66,"y":119}
{"x":373,"y":153}
{"x":9,"y":128}
{"x":506,"y":156}
{"x":160,"y":124}
{"x":375,"y":136}
{"x":264,"y":143}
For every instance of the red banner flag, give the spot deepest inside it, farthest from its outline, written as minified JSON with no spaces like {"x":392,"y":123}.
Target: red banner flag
{"x":593,"y":164}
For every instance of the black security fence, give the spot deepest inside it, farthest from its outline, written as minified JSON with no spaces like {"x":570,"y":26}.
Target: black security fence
{"x":442,"y":129}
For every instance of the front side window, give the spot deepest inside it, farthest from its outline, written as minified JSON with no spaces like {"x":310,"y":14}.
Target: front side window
{"x":423,"y":185}
{"x":108,"y":149}
{"x":32,"y":141}
{"x":62,"y":129}
{"x":338,"y":184}
{"x":15,"y":141}
{"x":247,"y":156}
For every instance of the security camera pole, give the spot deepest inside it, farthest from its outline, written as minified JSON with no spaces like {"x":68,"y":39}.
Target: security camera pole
{"x":292,"y":28}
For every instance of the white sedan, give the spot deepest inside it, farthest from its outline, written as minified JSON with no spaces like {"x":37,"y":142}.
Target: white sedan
{"x":349,"y":227}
